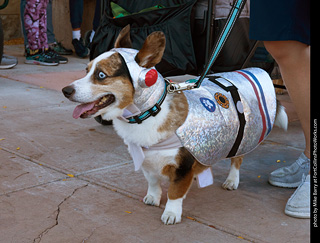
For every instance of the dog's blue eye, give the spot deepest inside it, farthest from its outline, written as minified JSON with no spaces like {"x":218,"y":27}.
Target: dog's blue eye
{"x":102,"y":75}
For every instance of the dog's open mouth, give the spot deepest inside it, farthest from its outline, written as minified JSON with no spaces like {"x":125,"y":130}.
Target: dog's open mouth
{"x":88,"y":109}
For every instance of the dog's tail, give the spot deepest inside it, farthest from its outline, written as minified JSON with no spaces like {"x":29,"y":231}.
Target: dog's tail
{"x":281,"y":117}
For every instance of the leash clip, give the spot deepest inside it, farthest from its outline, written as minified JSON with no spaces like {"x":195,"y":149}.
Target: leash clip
{"x":178,"y":87}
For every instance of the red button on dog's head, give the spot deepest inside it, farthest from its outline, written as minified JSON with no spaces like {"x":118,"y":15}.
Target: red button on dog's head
{"x":148,"y":77}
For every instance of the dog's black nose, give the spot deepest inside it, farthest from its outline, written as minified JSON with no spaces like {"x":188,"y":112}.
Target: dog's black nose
{"x":68,"y":91}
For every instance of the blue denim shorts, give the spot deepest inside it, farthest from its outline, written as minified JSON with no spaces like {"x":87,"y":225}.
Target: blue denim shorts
{"x":276,"y":20}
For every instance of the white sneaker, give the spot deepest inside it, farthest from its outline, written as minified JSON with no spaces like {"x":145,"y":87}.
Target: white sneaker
{"x":298,"y":205}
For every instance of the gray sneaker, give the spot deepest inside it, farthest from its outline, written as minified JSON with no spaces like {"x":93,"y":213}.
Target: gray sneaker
{"x":298,"y":205}
{"x":290,"y":176}
{"x":8,"y":62}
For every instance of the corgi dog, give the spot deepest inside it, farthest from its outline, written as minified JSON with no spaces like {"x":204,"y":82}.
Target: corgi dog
{"x":166,"y":131}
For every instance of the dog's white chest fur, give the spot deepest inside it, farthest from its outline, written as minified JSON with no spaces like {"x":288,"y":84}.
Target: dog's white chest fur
{"x":138,"y":136}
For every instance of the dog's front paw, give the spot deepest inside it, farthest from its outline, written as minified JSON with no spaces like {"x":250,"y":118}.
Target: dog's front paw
{"x":173,"y":211}
{"x":170,"y":218}
{"x":231,"y":184}
{"x":150,"y":200}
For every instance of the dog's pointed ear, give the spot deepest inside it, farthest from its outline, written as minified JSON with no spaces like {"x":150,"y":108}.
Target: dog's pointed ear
{"x":123,"y":40}
{"x":152,"y":50}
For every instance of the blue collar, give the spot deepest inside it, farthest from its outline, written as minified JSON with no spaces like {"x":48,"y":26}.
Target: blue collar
{"x":153,"y":111}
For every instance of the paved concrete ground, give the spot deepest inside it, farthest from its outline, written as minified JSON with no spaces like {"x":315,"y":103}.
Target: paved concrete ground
{"x":66,"y":180}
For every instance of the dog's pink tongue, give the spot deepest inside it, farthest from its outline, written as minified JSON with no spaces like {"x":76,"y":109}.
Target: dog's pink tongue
{"x":80,"y":109}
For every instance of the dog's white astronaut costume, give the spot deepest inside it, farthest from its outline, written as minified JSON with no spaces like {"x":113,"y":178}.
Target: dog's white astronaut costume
{"x":229,"y":115}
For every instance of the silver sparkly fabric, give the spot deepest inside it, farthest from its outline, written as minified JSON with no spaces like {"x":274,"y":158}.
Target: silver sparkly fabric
{"x":212,"y":125}
{"x":144,"y":97}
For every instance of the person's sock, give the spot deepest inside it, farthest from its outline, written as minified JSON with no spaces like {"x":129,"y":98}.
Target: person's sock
{"x":76,"y":34}
{"x":91,"y":35}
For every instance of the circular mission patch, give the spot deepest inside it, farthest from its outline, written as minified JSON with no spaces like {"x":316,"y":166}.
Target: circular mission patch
{"x":222,"y":100}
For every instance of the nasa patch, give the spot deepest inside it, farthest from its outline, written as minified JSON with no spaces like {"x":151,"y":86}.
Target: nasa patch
{"x":208,"y":104}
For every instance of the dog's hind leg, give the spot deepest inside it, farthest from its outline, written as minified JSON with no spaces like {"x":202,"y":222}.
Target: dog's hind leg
{"x":181,"y":177}
{"x":233,"y":178}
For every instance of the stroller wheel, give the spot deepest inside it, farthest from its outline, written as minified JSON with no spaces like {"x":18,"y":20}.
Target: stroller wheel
{"x":103,"y":122}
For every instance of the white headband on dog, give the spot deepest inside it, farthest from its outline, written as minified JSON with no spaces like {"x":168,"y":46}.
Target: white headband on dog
{"x":148,"y":83}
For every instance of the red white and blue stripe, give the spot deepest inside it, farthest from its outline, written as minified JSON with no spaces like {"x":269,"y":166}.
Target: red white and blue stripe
{"x":266,"y":123}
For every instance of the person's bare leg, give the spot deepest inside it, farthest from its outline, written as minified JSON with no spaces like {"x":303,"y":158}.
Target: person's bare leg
{"x":293,"y":58}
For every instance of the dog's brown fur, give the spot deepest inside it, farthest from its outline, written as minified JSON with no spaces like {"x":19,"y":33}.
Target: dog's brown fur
{"x":178,"y":114}
{"x":123,"y":40}
{"x":181,"y":176}
{"x":237,"y":161}
{"x":110,"y":66}
{"x":152,"y":50}
{"x":117,"y":79}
